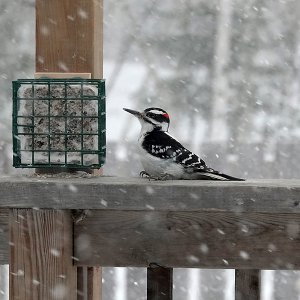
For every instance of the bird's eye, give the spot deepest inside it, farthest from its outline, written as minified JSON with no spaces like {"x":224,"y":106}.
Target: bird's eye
{"x":151,"y":115}
{"x":159,"y":117}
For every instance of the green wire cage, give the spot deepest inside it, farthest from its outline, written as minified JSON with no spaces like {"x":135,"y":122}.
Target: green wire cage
{"x":59,"y":123}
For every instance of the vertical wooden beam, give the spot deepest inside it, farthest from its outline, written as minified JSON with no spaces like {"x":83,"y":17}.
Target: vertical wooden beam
{"x":80,"y":284}
{"x":97,"y":71}
{"x":159,"y":283}
{"x":41,"y":250}
{"x":89,"y":283}
{"x":247,"y":284}
{"x":69,"y":39}
{"x":69,"y":36}
{"x":3,"y":236}
{"x":94,"y":283}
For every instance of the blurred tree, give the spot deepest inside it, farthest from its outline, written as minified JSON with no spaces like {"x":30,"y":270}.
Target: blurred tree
{"x":16,"y":61}
{"x":226,"y":62}
{"x":221,"y":90}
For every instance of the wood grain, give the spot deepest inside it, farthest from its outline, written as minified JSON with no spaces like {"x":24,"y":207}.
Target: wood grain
{"x":4,"y":236}
{"x":41,"y":264}
{"x":81,"y":282}
{"x":89,"y":283}
{"x":189,"y":239}
{"x":113,"y":193}
{"x":69,"y":36}
{"x":247,"y":284}
{"x":159,"y":283}
{"x":62,"y":75}
{"x":94,"y":283}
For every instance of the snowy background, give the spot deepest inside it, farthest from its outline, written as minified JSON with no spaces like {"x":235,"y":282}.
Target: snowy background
{"x":228,"y":73}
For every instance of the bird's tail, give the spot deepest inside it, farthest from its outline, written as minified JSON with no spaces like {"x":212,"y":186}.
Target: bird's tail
{"x":211,"y":174}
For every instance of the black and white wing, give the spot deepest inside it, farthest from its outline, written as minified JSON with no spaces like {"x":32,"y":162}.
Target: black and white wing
{"x":196,"y":168}
{"x":194,"y":165}
{"x":162,"y":145}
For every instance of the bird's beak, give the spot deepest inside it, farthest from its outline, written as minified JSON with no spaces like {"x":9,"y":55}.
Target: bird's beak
{"x":133,"y":112}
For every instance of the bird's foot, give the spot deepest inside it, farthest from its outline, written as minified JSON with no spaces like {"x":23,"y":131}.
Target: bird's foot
{"x":144,"y":174}
{"x":163,"y":177}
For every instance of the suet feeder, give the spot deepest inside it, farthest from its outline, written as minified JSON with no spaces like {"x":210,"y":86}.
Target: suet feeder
{"x":59,"y":123}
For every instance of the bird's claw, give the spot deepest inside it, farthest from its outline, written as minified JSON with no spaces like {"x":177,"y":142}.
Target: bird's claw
{"x":144,"y":174}
{"x":164,"y":177}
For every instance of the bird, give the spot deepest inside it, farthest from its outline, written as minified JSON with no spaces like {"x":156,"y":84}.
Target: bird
{"x":163,"y":157}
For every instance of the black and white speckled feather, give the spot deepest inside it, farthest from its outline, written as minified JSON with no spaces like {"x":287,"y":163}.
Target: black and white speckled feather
{"x":163,"y":156}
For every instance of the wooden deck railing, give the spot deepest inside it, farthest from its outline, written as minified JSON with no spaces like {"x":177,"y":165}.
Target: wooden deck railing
{"x":247,"y":226}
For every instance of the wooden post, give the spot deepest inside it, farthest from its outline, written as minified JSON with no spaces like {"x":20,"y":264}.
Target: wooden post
{"x":247,"y":284}
{"x":69,"y":36}
{"x":89,"y":283}
{"x":159,"y":283}
{"x":94,"y":283}
{"x":41,"y":250}
{"x":68,"y":40}
{"x":80,"y":284}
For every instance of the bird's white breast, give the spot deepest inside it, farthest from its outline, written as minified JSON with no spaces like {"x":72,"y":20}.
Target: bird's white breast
{"x":158,"y":167}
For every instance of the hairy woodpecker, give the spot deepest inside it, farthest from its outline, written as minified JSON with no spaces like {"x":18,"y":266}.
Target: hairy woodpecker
{"x":163,"y":157}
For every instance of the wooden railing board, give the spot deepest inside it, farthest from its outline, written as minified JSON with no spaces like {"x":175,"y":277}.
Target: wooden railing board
{"x":113,"y":193}
{"x":248,"y":226}
{"x":202,"y":239}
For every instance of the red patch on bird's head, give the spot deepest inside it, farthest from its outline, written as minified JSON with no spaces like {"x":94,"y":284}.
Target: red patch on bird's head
{"x":166,"y":116}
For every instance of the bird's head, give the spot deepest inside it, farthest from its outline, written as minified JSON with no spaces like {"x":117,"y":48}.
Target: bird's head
{"x":152,"y":118}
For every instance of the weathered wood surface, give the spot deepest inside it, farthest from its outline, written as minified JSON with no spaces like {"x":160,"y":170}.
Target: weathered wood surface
{"x":247,"y":284}
{"x":69,"y":36}
{"x":41,"y":265}
{"x":252,"y":224}
{"x":189,"y":239}
{"x":89,"y":283}
{"x":94,"y":283}
{"x":4,"y":239}
{"x":81,"y":283}
{"x":113,"y":193}
{"x":159,"y":283}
